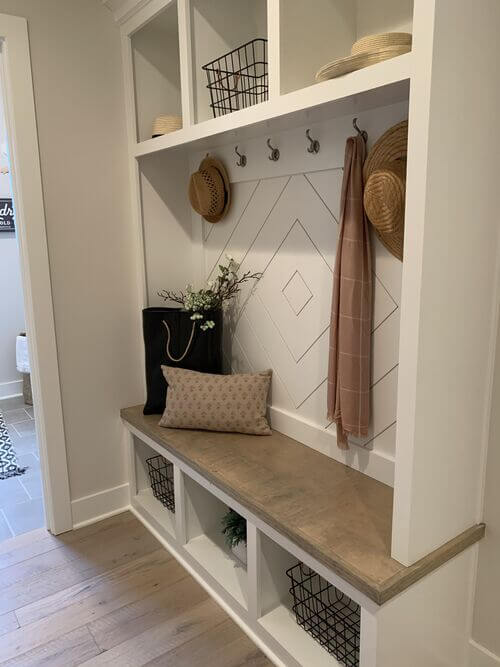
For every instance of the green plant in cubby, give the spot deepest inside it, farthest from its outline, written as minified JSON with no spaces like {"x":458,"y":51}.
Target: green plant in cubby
{"x":234,"y":529}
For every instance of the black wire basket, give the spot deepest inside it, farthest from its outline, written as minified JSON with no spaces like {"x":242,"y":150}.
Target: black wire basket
{"x":161,"y":475}
{"x":238,"y":79}
{"x":327,"y":614}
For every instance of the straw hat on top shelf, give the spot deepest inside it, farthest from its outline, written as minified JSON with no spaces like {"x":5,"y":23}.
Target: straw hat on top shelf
{"x":367,"y":51}
{"x":165,"y":124}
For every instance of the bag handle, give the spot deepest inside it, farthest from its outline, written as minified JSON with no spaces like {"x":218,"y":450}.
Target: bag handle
{"x":187,"y":346}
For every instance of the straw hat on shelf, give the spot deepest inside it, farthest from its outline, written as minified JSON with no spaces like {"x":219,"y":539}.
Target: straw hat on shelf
{"x":165,"y":124}
{"x":210,"y":190}
{"x":367,"y":51}
{"x":384,"y":175}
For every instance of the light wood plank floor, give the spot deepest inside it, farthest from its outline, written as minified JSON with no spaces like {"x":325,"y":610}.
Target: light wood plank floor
{"x":109,"y":594}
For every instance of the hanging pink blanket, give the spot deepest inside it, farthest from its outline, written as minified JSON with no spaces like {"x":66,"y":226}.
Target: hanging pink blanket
{"x":349,"y":363}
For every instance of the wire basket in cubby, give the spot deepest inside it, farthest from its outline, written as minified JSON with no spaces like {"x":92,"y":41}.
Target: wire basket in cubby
{"x":327,"y":614}
{"x":161,"y":475}
{"x":238,"y":79}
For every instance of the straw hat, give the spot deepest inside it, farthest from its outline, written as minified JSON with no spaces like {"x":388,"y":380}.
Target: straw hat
{"x":166,"y":124}
{"x":367,"y":51}
{"x":384,"y":174}
{"x":210,"y":190}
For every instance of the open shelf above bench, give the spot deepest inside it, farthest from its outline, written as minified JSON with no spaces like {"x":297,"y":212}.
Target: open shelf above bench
{"x":336,"y":514}
{"x":380,"y":85}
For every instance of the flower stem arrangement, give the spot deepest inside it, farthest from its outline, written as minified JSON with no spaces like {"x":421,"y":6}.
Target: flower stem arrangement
{"x":234,"y":528}
{"x":225,"y":287}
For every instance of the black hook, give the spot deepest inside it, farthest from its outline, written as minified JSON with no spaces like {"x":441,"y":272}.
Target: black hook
{"x":275,"y":154}
{"x":362,"y":133}
{"x":314,"y":143}
{"x":242,"y":162}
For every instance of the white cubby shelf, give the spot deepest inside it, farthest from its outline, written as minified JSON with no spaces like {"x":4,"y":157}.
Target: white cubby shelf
{"x":168,"y":41}
{"x":380,"y":85}
{"x":256,"y":595}
{"x":427,"y":447}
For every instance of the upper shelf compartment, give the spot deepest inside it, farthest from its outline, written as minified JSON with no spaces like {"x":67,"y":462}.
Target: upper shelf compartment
{"x":314,"y":34}
{"x":381,"y":85}
{"x":218,"y":27}
{"x":157,"y":81}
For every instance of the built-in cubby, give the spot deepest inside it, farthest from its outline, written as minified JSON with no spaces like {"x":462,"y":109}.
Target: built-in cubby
{"x":157,"y":79}
{"x":293,"y":603}
{"x":144,"y":498}
{"x":206,"y":544}
{"x":276,"y":606}
{"x":312,"y":36}
{"x":217,"y":27}
{"x":417,"y":314}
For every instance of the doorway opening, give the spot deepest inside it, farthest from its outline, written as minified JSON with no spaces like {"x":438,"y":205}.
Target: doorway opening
{"x":21,"y":495}
{"x":34,"y":484}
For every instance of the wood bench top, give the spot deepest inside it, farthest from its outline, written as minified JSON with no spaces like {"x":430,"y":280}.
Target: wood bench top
{"x":338,"y":515}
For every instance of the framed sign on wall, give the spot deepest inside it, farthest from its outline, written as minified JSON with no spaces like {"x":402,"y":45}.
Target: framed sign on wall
{"x":7,"y":216}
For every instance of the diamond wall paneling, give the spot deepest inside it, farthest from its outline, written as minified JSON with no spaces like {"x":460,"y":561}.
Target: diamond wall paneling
{"x":286,"y":226}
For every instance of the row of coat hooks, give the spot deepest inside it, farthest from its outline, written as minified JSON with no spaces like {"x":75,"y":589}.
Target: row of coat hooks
{"x":313,"y":147}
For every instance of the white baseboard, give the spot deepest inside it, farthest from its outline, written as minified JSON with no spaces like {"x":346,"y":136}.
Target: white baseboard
{"x":481,"y":657}
{"x":372,"y":463}
{"x":99,"y":506}
{"x":11,"y":389}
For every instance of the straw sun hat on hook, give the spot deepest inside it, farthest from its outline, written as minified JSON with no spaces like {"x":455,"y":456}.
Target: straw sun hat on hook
{"x":210,"y":190}
{"x":384,"y":175}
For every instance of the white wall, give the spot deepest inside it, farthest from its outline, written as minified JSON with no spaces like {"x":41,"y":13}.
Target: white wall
{"x":310,"y":38}
{"x":12,"y":318}
{"x":487,"y":607}
{"x":77,"y":73}
{"x":376,"y":16}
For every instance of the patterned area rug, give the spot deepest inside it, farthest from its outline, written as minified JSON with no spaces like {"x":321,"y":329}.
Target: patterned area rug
{"x":8,"y":459}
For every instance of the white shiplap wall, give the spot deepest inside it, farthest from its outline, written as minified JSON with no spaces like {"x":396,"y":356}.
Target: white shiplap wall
{"x":284,"y":222}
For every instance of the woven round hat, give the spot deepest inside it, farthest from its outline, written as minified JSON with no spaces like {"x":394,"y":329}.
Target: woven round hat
{"x":166,"y":124}
{"x":381,"y":41}
{"x":367,"y":51}
{"x":210,"y":190}
{"x":384,"y":175}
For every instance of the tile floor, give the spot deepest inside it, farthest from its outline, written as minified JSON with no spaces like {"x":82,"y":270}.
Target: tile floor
{"x":21,"y":506}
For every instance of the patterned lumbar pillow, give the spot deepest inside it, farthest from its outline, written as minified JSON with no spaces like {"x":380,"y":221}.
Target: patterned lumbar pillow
{"x":235,"y":403}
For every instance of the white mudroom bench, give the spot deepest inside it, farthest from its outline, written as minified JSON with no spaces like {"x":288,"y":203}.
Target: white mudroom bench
{"x":300,"y":506}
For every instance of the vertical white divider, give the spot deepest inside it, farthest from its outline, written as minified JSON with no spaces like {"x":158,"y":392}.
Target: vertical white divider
{"x":130,"y":457}
{"x":368,"y":639}
{"x":134,"y":176}
{"x":253,"y":570}
{"x":442,"y":432}
{"x":186,"y":62}
{"x":273,"y":47}
{"x":180,"y":505}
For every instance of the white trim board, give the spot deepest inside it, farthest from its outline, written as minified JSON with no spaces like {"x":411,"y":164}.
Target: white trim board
{"x":376,"y":464}
{"x":481,"y":657}
{"x":11,"y":389}
{"x":99,"y":506}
